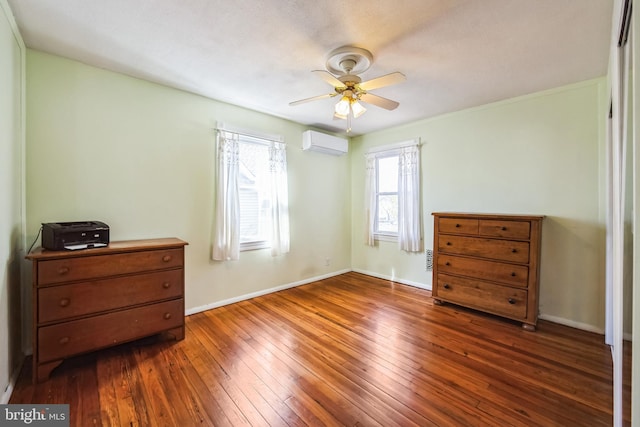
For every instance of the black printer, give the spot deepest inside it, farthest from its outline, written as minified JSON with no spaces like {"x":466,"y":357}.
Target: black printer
{"x":57,"y":236}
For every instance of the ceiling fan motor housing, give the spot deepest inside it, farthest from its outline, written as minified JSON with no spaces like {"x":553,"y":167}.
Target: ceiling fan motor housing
{"x":350,"y":79}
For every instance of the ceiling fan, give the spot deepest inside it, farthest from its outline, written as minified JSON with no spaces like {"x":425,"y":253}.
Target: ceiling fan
{"x":343,"y":65}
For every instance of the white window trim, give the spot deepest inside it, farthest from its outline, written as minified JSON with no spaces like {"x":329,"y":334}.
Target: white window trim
{"x":386,"y":236}
{"x":253,"y":245}
{"x":394,"y":146}
{"x":249,"y":133}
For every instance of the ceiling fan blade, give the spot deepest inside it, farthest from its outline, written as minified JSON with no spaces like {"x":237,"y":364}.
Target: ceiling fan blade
{"x":386,"y":80}
{"x":329,"y":78}
{"x":313,"y":98}
{"x":379,"y":101}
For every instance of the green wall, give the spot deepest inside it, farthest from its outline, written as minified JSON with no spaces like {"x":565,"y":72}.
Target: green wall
{"x":539,"y":154}
{"x":140,"y":157}
{"x":11,"y":198}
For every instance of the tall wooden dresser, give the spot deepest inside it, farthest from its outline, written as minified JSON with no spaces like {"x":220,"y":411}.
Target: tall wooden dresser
{"x":95,"y":298}
{"x":489,"y":263}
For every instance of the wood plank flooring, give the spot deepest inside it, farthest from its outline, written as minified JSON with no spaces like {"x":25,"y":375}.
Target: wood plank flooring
{"x":349,"y":350}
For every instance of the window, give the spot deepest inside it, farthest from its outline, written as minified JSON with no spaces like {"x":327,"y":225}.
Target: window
{"x":252,"y":209}
{"x":392,"y":195}
{"x":386,"y":211}
{"x":254,"y":194}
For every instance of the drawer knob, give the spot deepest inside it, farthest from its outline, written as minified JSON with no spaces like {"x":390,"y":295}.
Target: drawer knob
{"x":167,"y":316}
{"x":63,"y":340}
{"x":446,"y":286}
{"x":503,"y":228}
{"x":448,"y":243}
{"x":514,"y":250}
{"x":166,"y":285}
{"x":64,"y":302}
{"x":457,"y":225}
{"x":166,"y":258}
{"x":63,"y":270}
{"x":511,"y":301}
{"x":447,"y":263}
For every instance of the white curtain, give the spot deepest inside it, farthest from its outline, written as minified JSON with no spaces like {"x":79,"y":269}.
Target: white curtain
{"x":370,"y":199}
{"x":409,"y":199}
{"x":226,"y":238}
{"x":279,"y":199}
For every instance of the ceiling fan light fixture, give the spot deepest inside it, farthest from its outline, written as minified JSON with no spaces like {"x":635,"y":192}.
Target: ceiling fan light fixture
{"x":342,"y":107}
{"x":357,"y":109}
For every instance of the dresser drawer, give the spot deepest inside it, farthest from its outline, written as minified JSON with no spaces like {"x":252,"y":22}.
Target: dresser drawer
{"x":458,"y":225}
{"x":84,"y":298}
{"x":97,"y":266}
{"x":502,"y":228}
{"x":503,"y":250}
{"x":79,"y":336}
{"x":510,"y":274}
{"x":496,"y":299}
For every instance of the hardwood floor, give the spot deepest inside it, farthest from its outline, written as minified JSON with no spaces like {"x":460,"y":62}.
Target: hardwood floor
{"x":348,"y":350}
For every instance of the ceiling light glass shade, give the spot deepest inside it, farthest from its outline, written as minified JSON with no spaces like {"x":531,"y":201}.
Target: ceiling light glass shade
{"x":339,"y":116}
{"x":357,"y":109}
{"x":342,"y":107}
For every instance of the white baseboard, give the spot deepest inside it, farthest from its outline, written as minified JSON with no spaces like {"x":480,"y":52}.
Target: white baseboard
{"x":6,"y":395}
{"x":244,"y":297}
{"x":571,"y":323}
{"x":578,"y":325}
{"x":394,"y":279}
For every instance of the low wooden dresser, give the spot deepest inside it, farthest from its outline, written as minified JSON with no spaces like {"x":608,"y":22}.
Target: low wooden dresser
{"x":489,"y":263}
{"x":95,"y":298}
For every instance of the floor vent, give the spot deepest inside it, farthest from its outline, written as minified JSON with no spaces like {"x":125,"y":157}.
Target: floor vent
{"x":429,"y":254}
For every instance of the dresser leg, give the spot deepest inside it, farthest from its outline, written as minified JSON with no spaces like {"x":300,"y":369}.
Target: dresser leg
{"x":528,"y":327}
{"x":176,"y":333}
{"x":437,"y":301}
{"x":42,"y":371}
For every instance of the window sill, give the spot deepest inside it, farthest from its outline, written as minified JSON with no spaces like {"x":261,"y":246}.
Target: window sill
{"x":386,"y":237}
{"x":252,"y":246}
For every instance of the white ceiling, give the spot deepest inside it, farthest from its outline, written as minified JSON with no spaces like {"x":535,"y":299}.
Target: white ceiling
{"x":259,"y":54}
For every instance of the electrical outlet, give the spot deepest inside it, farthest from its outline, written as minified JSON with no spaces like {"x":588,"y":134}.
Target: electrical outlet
{"x":327,"y":262}
{"x":429,"y":254}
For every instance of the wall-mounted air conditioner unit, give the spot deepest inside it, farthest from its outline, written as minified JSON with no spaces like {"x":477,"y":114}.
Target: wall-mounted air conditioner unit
{"x":328,"y":144}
